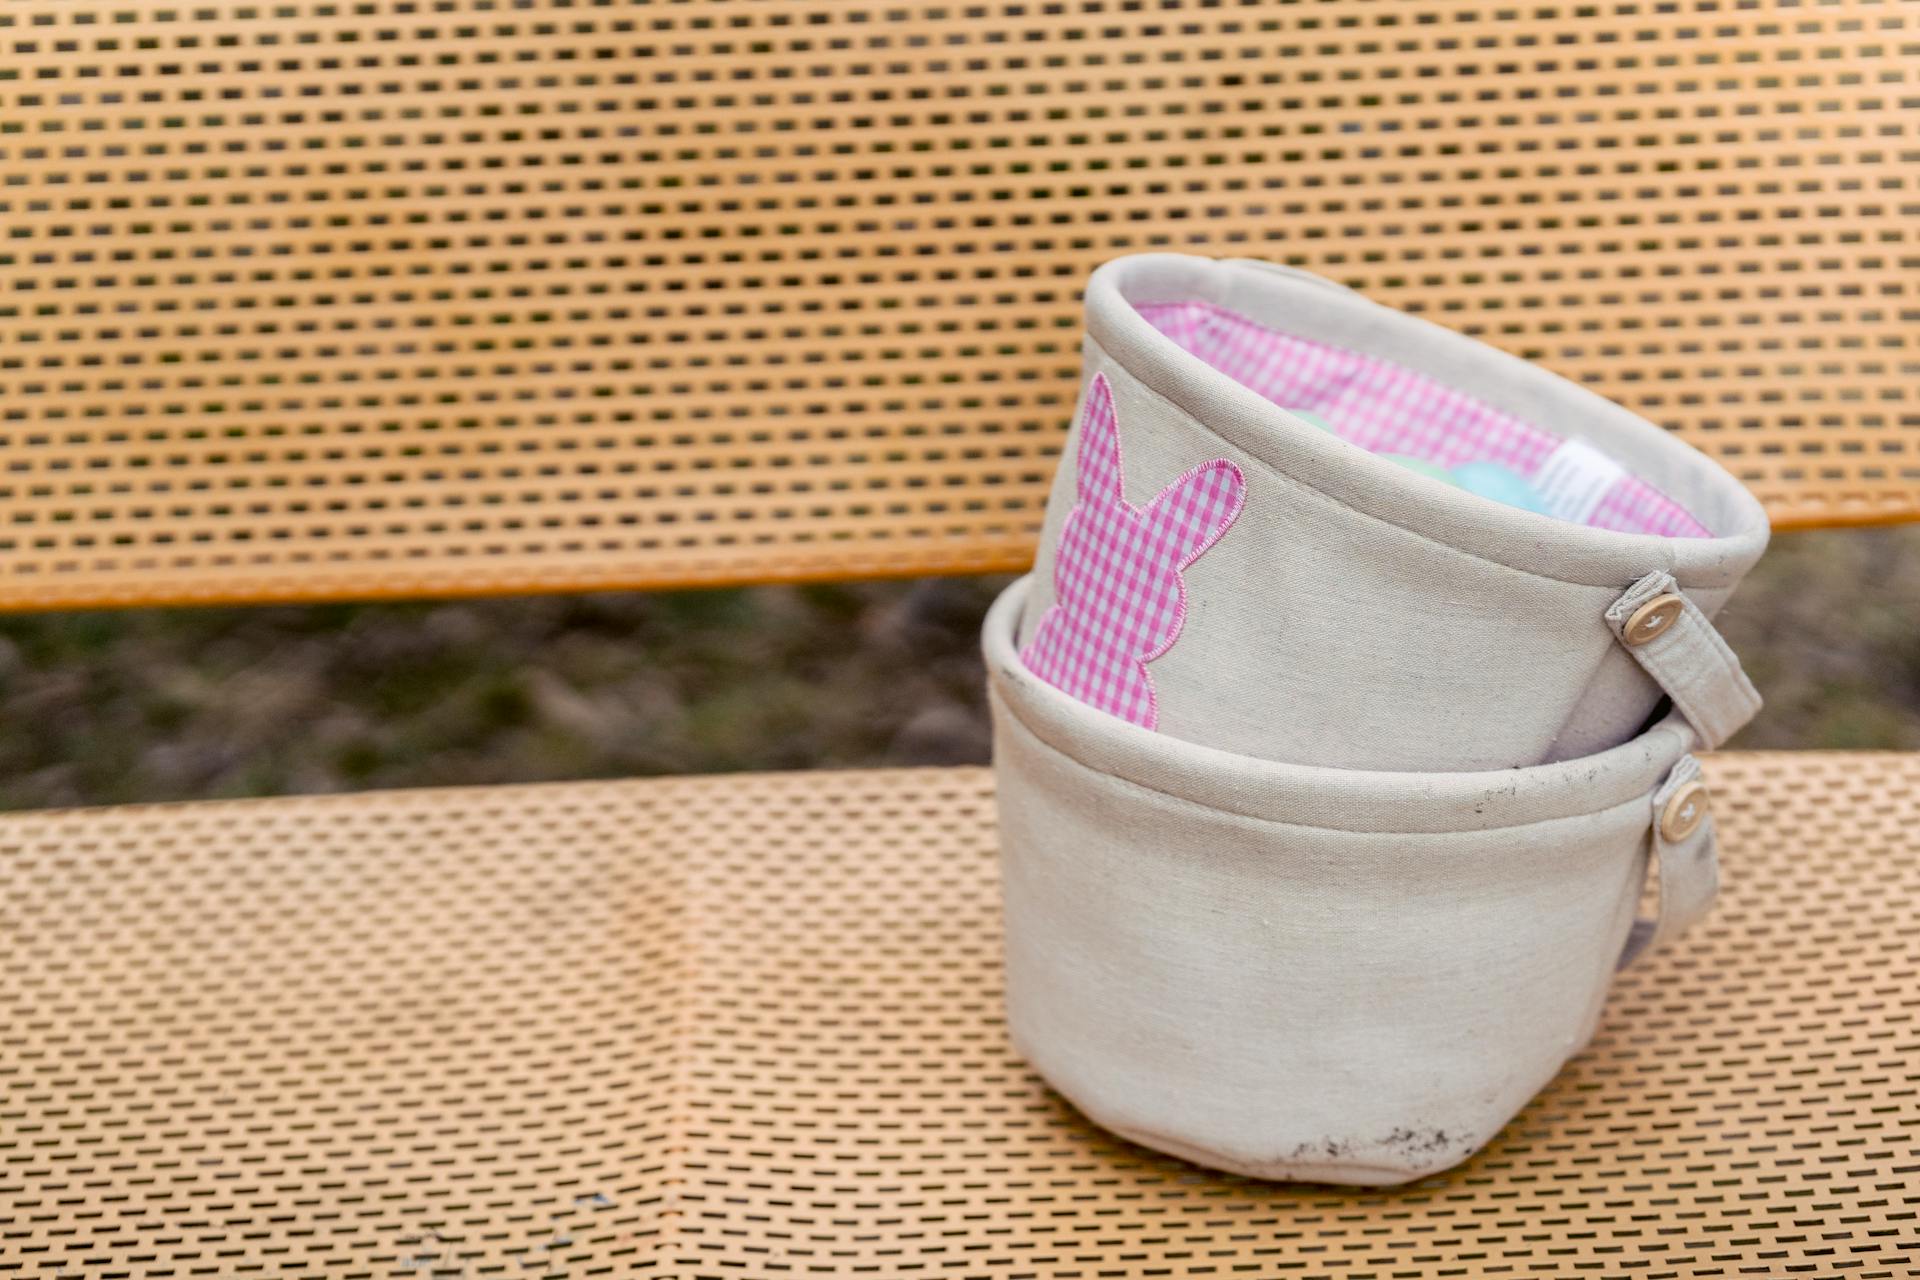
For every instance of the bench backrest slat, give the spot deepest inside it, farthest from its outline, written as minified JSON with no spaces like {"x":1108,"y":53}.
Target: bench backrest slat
{"x":406,"y":298}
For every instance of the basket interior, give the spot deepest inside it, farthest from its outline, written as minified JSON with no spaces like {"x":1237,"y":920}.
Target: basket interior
{"x":1388,"y":409}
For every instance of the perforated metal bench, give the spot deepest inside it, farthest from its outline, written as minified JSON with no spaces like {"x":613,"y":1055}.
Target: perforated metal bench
{"x":433,"y":297}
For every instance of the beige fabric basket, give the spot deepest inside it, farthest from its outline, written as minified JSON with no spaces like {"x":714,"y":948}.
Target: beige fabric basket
{"x":1295,"y":972}
{"x":1356,"y":614}
{"x":1327,"y":789}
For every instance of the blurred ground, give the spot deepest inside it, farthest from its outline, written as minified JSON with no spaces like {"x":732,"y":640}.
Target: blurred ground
{"x":109,"y":707}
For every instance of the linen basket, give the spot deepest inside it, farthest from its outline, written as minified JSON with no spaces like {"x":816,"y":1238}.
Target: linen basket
{"x":1328,"y":790}
{"x":1296,"y":972}
{"x":1348,"y":611}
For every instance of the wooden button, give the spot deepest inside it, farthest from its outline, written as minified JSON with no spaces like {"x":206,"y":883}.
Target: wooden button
{"x":1686,"y":810}
{"x":1652,"y":619}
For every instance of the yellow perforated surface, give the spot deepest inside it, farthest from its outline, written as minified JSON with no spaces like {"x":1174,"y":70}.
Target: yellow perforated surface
{"x":751,"y":1027}
{"x":407,"y":296}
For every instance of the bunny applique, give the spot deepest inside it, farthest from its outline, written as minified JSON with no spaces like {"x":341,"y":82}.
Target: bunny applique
{"x":1119,"y":601}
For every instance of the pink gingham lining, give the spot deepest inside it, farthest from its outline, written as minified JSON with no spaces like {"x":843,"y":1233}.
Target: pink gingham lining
{"x":1385,"y":408}
{"x":1119,"y":600}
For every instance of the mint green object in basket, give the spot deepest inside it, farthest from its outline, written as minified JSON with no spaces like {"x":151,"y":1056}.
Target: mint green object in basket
{"x":1484,"y":479}
{"x":1491,"y":480}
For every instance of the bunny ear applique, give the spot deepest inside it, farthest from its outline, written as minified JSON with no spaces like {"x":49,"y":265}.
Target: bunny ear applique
{"x":1183,"y":519}
{"x":1097,"y":470}
{"x":1193,"y":512}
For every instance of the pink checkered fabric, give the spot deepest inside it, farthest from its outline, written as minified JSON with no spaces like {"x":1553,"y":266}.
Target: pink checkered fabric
{"x":1385,"y":408}
{"x":1119,"y":601}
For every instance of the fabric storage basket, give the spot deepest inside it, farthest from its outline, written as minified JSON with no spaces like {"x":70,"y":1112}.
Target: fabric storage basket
{"x":1321,"y":974}
{"x":1328,"y":784}
{"x":1214,"y":566}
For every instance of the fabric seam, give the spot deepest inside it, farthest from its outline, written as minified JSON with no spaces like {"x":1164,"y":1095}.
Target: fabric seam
{"x":1637,"y":801}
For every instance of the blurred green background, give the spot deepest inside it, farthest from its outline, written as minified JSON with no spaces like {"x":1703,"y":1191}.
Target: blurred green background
{"x":108,"y":707}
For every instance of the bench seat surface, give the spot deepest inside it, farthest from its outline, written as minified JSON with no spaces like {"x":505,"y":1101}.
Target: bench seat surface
{"x":751,"y":1026}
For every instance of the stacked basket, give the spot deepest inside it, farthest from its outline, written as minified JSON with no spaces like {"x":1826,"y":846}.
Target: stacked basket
{"x":1352,"y":696}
